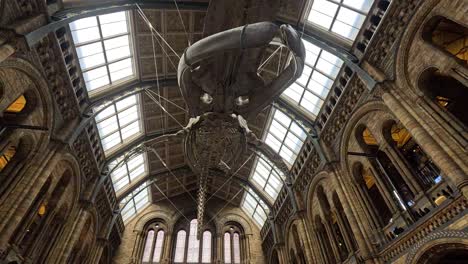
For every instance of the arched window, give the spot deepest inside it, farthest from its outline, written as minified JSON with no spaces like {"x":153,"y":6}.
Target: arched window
{"x":148,"y":245}
{"x":17,"y":106}
{"x":426,"y":172}
{"x":180,"y":247}
{"x":232,"y":252}
{"x":448,"y":36}
{"x":7,"y":155}
{"x":198,"y":251}
{"x":154,"y":242}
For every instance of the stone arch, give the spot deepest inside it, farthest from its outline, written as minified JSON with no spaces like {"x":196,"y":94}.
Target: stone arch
{"x":438,"y":242}
{"x":235,"y":218}
{"x":316,"y":180}
{"x":295,"y":240}
{"x":39,"y":104}
{"x":148,"y":217}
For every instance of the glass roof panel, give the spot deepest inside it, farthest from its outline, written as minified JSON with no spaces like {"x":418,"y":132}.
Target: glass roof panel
{"x":309,"y":95}
{"x":104,"y":41}
{"x":119,"y":121}
{"x":343,"y":17}
{"x":267,"y":177}
{"x":136,"y":201}
{"x":280,"y":137}
{"x":130,"y":170}
{"x":254,"y":207}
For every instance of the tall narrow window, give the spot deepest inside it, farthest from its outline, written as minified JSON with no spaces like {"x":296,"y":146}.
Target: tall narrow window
{"x":193,"y":243}
{"x":180,"y":247}
{"x":236,"y":248}
{"x":231,"y":245}
{"x":103,"y":46}
{"x":311,"y":89}
{"x":17,"y":106}
{"x":119,"y":122}
{"x":158,"y":247}
{"x":198,"y":251}
{"x":343,"y":17}
{"x":227,"y":247}
{"x":148,"y":245}
{"x":206,"y":252}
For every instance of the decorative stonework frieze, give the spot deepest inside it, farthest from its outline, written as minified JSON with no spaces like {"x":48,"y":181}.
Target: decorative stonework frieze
{"x":55,"y":71}
{"x":342,"y":112}
{"x":425,"y":229}
{"x":445,"y":234}
{"x":85,"y":157}
{"x":391,"y":28}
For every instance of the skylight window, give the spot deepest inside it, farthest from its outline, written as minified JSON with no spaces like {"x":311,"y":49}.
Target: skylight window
{"x":343,"y":17}
{"x":268,"y":177}
{"x":255,"y":207}
{"x":103,"y":46}
{"x":320,"y":70}
{"x":285,"y":136}
{"x":137,"y":201}
{"x":119,"y":123}
{"x":128,"y":171}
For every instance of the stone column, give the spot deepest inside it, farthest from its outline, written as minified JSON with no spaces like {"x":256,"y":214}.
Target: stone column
{"x":166,"y":256}
{"x":6,"y":50}
{"x":331,"y":238}
{"x":304,"y":234}
{"x":403,"y":168}
{"x":384,"y":190}
{"x":74,"y":235}
{"x":424,"y":139}
{"x":344,"y":231}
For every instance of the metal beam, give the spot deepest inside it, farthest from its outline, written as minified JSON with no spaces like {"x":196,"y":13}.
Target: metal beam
{"x":349,"y":59}
{"x":137,"y":142}
{"x":66,"y":16}
{"x":178,"y":169}
{"x":111,"y":97}
{"x":246,"y":184}
{"x":294,"y":113}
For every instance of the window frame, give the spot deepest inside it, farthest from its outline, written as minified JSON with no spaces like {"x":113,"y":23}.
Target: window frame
{"x":342,"y":40}
{"x":314,"y":68}
{"x":156,"y":228}
{"x":130,"y":199}
{"x":288,"y":130}
{"x":186,"y":228}
{"x":122,"y":163}
{"x":132,"y":48}
{"x":123,"y":142}
{"x":232,"y":229}
{"x":259,"y":203}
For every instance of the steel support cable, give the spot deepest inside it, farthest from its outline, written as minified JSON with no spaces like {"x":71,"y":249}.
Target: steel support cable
{"x":183,"y":24}
{"x":167,"y":198}
{"x":227,"y":202}
{"x":150,"y":25}
{"x":152,"y":33}
{"x":157,"y":79}
{"x":153,"y":29}
{"x":232,"y":176}
{"x":164,"y":109}
{"x":167,"y":100}
{"x":170,"y":171}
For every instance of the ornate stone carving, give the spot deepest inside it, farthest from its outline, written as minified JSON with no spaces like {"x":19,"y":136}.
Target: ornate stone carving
{"x":53,"y":66}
